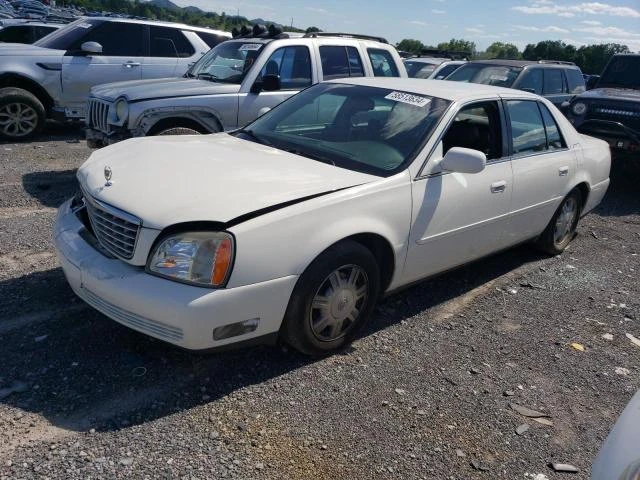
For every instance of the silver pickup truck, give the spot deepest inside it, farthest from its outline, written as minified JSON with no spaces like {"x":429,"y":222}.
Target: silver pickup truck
{"x":234,"y":83}
{"x":52,"y":78}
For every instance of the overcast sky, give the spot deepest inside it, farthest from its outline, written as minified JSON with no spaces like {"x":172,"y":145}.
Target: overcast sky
{"x":433,"y":21}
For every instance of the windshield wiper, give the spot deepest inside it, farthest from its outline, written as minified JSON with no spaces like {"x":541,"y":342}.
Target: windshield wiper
{"x":312,"y":156}
{"x":254,"y":137}
{"x":207,"y":76}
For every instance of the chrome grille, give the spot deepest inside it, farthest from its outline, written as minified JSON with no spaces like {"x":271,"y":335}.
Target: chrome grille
{"x":98,"y":115}
{"x":116,"y":231}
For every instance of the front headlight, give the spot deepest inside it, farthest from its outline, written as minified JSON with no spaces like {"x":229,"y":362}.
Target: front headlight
{"x":579,"y":108}
{"x":121,"y":110}
{"x":197,"y":258}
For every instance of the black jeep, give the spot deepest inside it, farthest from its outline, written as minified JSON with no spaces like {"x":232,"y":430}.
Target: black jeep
{"x":611,"y":111}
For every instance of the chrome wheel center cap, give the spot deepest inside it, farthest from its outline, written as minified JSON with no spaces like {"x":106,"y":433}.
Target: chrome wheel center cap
{"x":342,"y":303}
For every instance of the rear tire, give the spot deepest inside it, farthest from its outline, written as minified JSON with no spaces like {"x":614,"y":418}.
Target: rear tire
{"x":333,"y":299}
{"x":562,"y":227}
{"x":22,"y":115}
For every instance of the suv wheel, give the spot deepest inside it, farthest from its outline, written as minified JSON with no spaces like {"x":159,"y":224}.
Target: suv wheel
{"x":22,"y":115}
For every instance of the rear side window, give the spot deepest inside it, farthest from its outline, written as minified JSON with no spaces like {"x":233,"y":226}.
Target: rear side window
{"x":445,"y":71}
{"x":169,"y":42}
{"x":211,"y":39}
{"x":554,"y":138}
{"x":527,"y":128}
{"x":118,"y":39}
{"x":532,"y":80}
{"x":575,"y":80}
{"x":16,"y":34}
{"x":553,"y":82}
{"x":382,"y":63}
{"x":292,"y":64}
{"x":340,"y":62}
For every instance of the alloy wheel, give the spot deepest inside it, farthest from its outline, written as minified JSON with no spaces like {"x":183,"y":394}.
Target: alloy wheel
{"x":565,"y":221}
{"x":18,"y":119}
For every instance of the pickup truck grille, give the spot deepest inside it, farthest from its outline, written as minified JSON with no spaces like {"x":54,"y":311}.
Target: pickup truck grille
{"x":98,"y":115}
{"x":116,"y":231}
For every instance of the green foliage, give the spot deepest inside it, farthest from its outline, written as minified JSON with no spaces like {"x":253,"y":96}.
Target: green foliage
{"x":458,"y":45}
{"x":312,"y":30}
{"x":590,"y":58}
{"x":410,"y":45}
{"x":502,"y":50}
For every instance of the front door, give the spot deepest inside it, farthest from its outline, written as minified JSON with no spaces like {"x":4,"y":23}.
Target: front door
{"x":293,"y":65}
{"x":459,"y":217}
{"x":120,"y":60}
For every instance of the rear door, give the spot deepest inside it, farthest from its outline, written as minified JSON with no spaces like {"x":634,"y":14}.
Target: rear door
{"x":121,"y":59}
{"x":543,"y":167}
{"x":166,"y":47}
{"x":292,"y":64}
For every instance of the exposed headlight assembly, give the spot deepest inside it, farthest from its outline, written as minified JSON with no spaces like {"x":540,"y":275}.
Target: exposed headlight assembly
{"x":579,"y":108}
{"x":197,"y":258}
{"x":121,"y":109}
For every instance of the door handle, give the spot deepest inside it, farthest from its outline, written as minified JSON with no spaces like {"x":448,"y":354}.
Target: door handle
{"x":131,"y":64}
{"x":498,"y":187}
{"x":563,"y":171}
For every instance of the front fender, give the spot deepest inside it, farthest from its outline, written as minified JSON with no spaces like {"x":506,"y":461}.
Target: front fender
{"x":286,"y":241}
{"x":209,"y":118}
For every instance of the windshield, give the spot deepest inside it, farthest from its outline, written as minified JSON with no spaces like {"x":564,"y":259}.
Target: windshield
{"x":367,"y":129}
{"x":228,"y":62}
{"x":68,"y":35}
{"x":419,"y":69}
{"x":622,"y":71}
{"x":497,"y":75}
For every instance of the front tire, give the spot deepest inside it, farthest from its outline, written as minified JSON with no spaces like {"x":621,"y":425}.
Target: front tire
{"x":333,"y":299}
{"x":179,"y":131}
{"x":22,"y":115}
{"x":562,"y":227}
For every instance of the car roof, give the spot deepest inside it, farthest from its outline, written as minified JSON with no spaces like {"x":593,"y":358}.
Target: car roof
{"x":305,"y":39}
{"x":524,"y":63}
{"x":32,"y":24}
{"x":433,"y":60}
{"x":446,"y":90}
{"x":181,"y":26}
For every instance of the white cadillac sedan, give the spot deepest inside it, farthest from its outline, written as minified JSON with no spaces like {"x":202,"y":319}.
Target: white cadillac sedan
{"x":293,"y":227}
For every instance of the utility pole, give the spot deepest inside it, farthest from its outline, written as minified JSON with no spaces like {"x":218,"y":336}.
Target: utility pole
{"x":291,"y":22}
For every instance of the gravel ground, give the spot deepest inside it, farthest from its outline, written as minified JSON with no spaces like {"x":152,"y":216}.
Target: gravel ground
{"x":424,"y":393}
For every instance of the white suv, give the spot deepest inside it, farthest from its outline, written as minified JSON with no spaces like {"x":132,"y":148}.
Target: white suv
{"x":52,"y":78}
{"x":235,"y":83}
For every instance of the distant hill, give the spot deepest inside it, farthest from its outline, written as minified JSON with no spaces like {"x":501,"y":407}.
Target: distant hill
{"x":262,"y":21}
{"x":168,"y":4}
{"x":193,"y":10}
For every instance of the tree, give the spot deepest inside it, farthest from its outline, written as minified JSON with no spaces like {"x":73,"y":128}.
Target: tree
{"x":410,"y":45}
{"x":312,"y":30}
{"x":593,"y":58}
{"x":502,"y":50}
{"x":459,"y":45}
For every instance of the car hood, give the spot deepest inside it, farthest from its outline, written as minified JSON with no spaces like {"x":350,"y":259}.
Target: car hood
{"x":624,"y":94}
{"x":135,"y":90}
{"x":176,"y":179}
{"x":23,"y":50}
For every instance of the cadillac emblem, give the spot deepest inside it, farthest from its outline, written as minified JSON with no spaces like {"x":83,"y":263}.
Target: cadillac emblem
{"x":108,"y":173}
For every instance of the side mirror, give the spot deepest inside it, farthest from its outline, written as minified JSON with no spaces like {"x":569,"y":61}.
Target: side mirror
{"x":91,"y":47}
{"x":463,"y":160}
{"x":564,"y":106}
{"x":271,"y":83}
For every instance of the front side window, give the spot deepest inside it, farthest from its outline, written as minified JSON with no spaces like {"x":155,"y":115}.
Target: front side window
{"x":340,"y":62}
{"x":554,"y":137}
{"x":228,"y":62}
{"x":118,"y":39}
{"x":292,"y":64}
{"x":532,"y":81}
{"x":367,"y":129}
{"x":445,"y":71}
{"x":65,"y":37}
{"x":478,"y":127}
{"x":527,"y":128}
{"x":169,"y":42}
{"x":497,"y":75}
{"x":419,"y":69}
{"x":553,"y":82}
{"x":382,"y":63}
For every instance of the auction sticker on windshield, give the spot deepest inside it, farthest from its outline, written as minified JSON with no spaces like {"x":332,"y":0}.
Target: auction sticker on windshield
{"x":250,"y":46}
{"x":415,"y":100}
